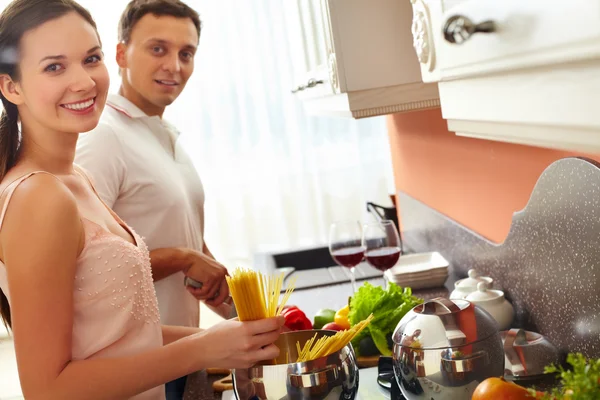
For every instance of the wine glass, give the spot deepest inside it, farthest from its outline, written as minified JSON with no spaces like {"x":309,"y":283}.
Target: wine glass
{"x":345,"y":246}
{"x":382,"y":245}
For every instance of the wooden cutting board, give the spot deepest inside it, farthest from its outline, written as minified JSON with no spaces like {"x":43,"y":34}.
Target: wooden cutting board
{"x":218,"y":371}
{"x":223,"y":384}
{"x":367,"y":362}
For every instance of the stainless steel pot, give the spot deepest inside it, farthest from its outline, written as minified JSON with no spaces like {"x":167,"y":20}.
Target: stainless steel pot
{"x":332,"y":377}
{"x":527,"y":354}
{"x":444,"y":348}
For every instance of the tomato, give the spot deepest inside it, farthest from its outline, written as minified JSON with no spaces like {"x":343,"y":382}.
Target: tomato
{"x":332,"y":326}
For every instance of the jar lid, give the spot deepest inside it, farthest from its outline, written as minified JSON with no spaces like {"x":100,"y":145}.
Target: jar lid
{"x":484,"y":293}
{"x":442,"y":323}
{"x":472,"y":281}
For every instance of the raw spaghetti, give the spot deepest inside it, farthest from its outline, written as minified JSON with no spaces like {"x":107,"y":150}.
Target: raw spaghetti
{"x":329,"y":344}
{"x":256,"y":296}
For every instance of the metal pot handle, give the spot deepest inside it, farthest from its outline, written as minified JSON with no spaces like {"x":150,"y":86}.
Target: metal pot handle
{"x":313,"y":379}
{"x":515,"y":337}
{"x":432,"y":306}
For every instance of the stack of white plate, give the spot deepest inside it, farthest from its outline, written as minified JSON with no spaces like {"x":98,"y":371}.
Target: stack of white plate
{"x":419,"y":271}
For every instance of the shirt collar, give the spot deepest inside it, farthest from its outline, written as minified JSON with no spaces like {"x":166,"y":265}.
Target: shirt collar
{"x":124,"y":106}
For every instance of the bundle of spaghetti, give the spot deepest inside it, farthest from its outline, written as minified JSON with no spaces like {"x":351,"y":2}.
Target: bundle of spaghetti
{"x":327,"y":345}
{"x":256,"y":296}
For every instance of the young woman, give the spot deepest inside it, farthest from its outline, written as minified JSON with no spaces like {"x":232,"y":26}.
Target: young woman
{"x":76,"y":281}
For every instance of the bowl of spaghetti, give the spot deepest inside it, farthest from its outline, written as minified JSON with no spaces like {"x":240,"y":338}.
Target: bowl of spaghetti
{"x":302,"y":370}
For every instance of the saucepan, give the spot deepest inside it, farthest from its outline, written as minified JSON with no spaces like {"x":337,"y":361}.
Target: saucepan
{"x":331,"y":377}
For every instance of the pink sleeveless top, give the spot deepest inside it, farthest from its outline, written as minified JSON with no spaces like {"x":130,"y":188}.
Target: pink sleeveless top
{"x":115,"y":306}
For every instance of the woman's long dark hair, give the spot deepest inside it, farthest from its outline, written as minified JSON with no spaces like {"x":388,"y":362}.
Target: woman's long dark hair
{"x":17,"y":18}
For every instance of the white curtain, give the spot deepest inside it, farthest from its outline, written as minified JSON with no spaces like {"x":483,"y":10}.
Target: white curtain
{"x":274,"y":177}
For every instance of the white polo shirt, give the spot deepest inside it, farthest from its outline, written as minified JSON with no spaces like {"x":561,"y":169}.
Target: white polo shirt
{"x":141,"y":171}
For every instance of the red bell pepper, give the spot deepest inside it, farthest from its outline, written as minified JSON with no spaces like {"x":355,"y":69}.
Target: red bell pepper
{"x":296,"y":320}
{"x":286,"y":308}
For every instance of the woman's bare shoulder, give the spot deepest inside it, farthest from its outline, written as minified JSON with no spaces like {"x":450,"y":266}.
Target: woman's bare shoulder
{"x":36,"y":196}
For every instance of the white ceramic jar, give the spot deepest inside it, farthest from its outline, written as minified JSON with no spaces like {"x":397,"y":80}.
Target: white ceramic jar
{"x":464,"y":287}
{"x":494,"y":302}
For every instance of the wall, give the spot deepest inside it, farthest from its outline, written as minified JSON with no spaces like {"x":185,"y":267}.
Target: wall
{"x":478,"y":183}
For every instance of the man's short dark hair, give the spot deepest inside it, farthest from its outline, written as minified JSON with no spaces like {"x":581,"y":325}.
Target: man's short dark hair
{"x":136,"y":9}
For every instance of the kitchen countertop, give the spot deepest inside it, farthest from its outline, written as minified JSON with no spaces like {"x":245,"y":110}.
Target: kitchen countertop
{"x":199,"y":387}
{"x":199,"y":384}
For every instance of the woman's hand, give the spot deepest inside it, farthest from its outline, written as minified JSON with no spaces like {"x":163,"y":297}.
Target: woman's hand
{"x":234,"y":344}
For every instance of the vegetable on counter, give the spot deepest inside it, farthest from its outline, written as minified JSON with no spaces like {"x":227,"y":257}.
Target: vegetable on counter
{"x":323,"y":317}
{"x":295,"y":319}
{"x":582,"y":382}
{"x":367,"y":348}
{"x":341,"y":317}
{"x":499,"y":389}
{"x":332,"y":326}
{"x":387,"y":306}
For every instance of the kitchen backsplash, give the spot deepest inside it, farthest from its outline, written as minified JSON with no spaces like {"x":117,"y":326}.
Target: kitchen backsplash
{"x":549,"y":264}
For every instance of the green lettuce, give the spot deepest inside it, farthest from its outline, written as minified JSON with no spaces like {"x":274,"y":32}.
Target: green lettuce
{"x":387,"y":306}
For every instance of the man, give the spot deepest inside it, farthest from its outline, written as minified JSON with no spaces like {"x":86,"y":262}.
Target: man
{"x":140,"y":169}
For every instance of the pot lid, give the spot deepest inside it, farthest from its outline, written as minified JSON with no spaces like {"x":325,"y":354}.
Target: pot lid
{"x":484,"y":293}
{"x":443,"y":323}
{"x":527,"y":353}
{"x":472,"y":281}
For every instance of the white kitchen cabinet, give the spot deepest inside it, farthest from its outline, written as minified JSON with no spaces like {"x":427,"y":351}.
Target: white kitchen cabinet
{"x":355,"y":57}
{"x":516,"y":71}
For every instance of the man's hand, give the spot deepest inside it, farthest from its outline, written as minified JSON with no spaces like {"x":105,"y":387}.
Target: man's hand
{"x":211,"y":274}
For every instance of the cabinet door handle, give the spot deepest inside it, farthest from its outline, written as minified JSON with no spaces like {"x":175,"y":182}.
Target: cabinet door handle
{"x":309,"y":84}
{"x":458,"y":29}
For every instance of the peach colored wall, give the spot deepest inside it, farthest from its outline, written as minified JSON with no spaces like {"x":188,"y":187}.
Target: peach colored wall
{"x":478,"y":183}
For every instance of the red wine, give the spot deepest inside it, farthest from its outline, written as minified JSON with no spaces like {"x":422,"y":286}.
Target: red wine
{"x":383,"y":258}
{"x":349,"y":257}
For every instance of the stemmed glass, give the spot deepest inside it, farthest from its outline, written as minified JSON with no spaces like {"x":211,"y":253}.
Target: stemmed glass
{"x":382,"y":245}
{"x":345,"y":246}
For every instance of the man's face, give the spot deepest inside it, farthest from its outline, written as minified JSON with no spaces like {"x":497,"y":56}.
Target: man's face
{"x":159,"y":58}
